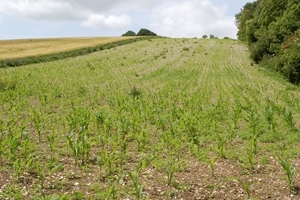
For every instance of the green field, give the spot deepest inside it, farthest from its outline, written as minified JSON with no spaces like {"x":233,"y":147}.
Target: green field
{"x":156,"y":119}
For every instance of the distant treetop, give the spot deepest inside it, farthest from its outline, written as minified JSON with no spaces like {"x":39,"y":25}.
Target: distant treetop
{"x":142,"y":32}
{"x":129,"y":33}
{"x":146,"y":32}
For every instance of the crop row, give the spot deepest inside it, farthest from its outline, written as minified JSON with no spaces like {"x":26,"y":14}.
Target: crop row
{"x":152,"y":119}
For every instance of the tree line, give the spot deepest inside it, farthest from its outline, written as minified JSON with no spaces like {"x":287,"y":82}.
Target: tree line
{"x":142,"y":32}
{"x":271,"y":30}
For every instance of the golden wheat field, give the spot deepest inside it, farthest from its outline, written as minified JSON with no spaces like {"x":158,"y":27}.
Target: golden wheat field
{"x":33,"y":47}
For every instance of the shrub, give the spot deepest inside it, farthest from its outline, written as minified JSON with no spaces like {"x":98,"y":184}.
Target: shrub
{"x":288,"y":62}
{"x":146,"y":32}
{"x":135,"y":92}
{"x":129,"y":33}
{"x":5,"y":85}
{"x":257,"y":50}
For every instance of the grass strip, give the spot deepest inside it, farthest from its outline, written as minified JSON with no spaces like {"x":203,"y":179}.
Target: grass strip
{"x":15,"y":62}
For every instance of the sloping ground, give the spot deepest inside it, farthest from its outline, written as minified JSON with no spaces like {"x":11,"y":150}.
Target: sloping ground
{"x":34,"y":47}
{"x":155,"y":119}
{"x":25,"y":52}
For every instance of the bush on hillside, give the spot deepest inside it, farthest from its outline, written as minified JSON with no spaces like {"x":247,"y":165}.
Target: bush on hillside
{"x":146,"y":32}
{"x":288,"y":61}
{"x":129,"y":33}
{"x":271,"y":31}
{"x":258,"y":50}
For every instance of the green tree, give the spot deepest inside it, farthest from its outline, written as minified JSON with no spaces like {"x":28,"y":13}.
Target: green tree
{"x":288,"y":60}
{"x":242,"y":20}
{"x":129,"y":33}
{"x":146,"y":32}
{"x":268,"y":27}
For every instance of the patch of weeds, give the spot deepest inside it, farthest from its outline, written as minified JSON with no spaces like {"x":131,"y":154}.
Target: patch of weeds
{"x":135,"y":92}
{"x":2,"y":85}
{"x":264,"y":160}
{"x":77,"y":196}
{"x":91,"y":67}
{"x":291,"y":88}
{"x":181,"y":186}
{"x":159,"y":164}
{"x":12,"y":192}
{"x":7,"y":85}
{"x":172,"y":194}
{"x":82,"y":90}
{"x":271,"y":137}
{"x":186,"y":49}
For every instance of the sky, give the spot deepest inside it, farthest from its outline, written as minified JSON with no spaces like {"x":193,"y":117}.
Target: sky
{"x":85,"y":18}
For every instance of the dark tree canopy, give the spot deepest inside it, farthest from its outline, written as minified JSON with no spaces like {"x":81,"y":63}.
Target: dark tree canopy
{"x":268,"y":27}
{"x":145,"y":32}
{"x":129,"y":33}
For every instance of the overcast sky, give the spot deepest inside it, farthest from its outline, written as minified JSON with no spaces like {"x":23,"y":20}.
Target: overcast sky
{"x":75,"y":18}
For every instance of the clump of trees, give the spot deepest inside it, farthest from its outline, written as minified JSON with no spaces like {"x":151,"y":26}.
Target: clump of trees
{"x":288,"y":59}
{"x":129,"y":33}
{"x":146,"y":32}
{"x":142,"y":32}
{"x":211,"y":36}
{"x":271,"y":30}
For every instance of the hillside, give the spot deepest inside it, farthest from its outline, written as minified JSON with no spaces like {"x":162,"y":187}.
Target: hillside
{"x":155,"y":119}
{"x":15,"y":53}
{"x":35,"y":47}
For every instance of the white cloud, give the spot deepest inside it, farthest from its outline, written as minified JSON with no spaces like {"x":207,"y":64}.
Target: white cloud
{"x":42,"y":10}
{"x":192,"y":18}
{"x":70,"y":9}
{"x":89,"y":13}
{"x":175,"y":18}
{"x":110,"y":22}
